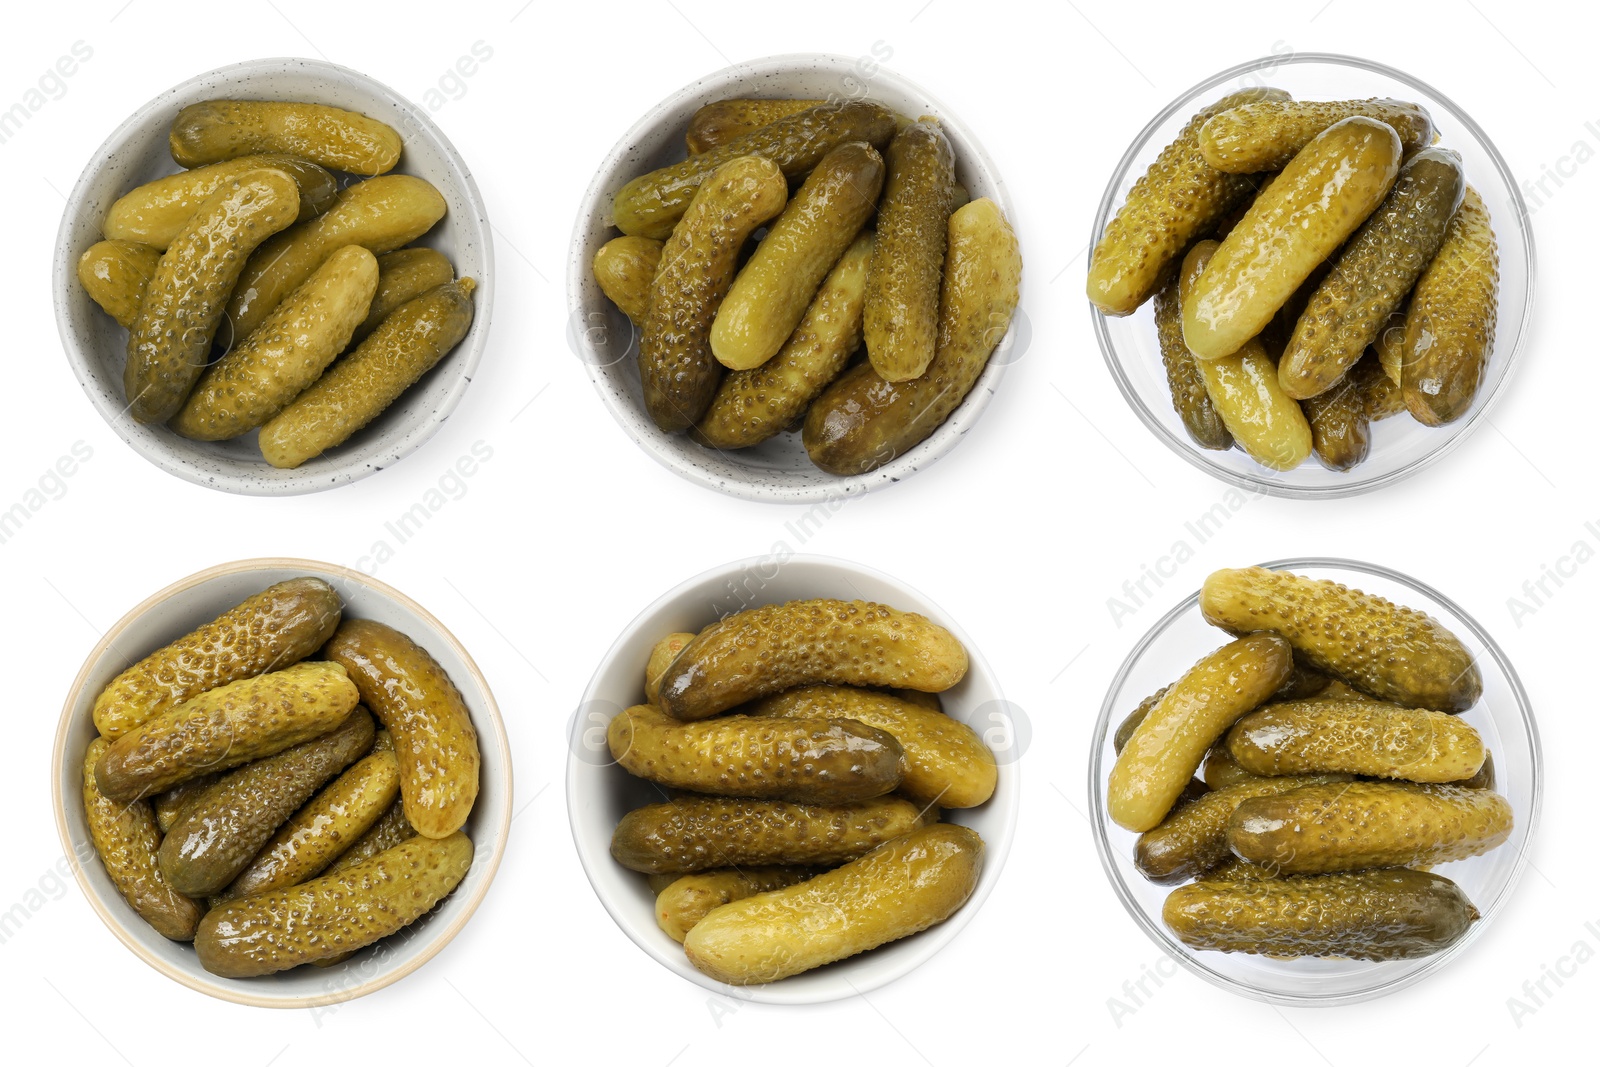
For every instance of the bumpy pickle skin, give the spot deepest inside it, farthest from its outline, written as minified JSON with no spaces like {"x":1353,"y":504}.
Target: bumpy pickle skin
{"x":171,"y":804}
{"x":682,"y":903}
{"x":1243,"y":389}
{"x":169,"y":341}
{"x":1190,"y":400}
{"x":1221,"y":770}
{"x":810,"y":761}
{"x":862,"y":421}
{"x":225,"y":826}
{"x":677,"y":368}
{"x":625,"y":268}
{"x":1179,"y":198}
{"x":361,"y":386}
{"x":216,"y":130}
{"x":1375,"y":270}
{"x":1370,"y":915}
{"x":1385,"y":399}
{"x":899,"y":889}
{"x":1450,"y":327}
{"x":698,"y":833}
{"x":765,"y":650}
{"x":327,"y":825}
{"x":1193,"y":838}
{"x":1317,"y":201}
{"x":1124,"y":731}
{"x":651,"y":204}
{"x":946,"y":762}
{"x":381,"y":215}
{"x":334,"y":914}
{"x":1266,"y":135}
{"x":1356,"y":825}
{"x":126,"y":837}
{"x":273,"y":629}
{"x":403,"y":275}
{"x":156,"y":212}
{"x":1388,"y":651}
{"x":752,"y":406}
{"x":901,"y":319}
{"x":1169,"y":745}
{"x":775,"y":287}
{"x":116,"y":274}
{"x":662,"y":653}
{"x":721,"y":121}
{"x":1365,"y":737}
{"x":224,"y":727}
{"x":1341,"y":419}
{"x":258,"y":376}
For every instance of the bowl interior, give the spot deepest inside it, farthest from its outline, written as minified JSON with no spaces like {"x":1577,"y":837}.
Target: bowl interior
{"x":192,"y":602}
{"x":599,"y":792}
{"x":605,"y":340}
{"x":1400,"y":445}
{"x":137,"y":152}
{"x":1503,"y":717}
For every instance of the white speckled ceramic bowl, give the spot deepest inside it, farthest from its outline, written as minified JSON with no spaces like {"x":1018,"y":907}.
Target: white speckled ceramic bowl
{"x":193,"y":601}
{"x":600,"y":793}
{"x":601,"y":335}
{"x":137,"y":152}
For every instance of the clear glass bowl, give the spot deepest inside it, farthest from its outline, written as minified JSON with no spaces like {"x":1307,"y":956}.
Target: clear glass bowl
{"x":1401,"y":446}
{"x":1503,"y":717}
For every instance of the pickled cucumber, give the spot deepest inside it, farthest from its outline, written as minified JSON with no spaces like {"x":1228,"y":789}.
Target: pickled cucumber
{"x":651,"y":204}
{"x":170,"y":805}
{"x":721,"y":121}
{"x":362,"y":385}
{"x":155,"y":212}
{"x":661,"y":656}
{"x":1373,"y":273}
{"x":1221,"y":770}
{"x":226,"y":825}
{"x":776,"y":285}
{"x":1369,"y":915}
{"x":1317,"y":201}
{"x":1385,"y":399}
{"x":625,"y":268}
{"x":862,"y":421}
{"x":899,"y":889}
{"x":900,"y":322}
{"x":1125,"y":729}
{"x":215,"y":130}
{"x":224,"y":727}
{"x":698,"y":833}
{"x":676,"y":364}
{"x":1356,"y":825}
{"x":391,"y":828}
{"x":1390,"y":652}
{"x":1365,"y":737}
{"x":946,"y":762}
{"x":1266,"y":135}
{"x":814,"y":760}
{"x":751,"y":406}
{"x":380,"y":215}
{"x":169,"y":341}
{"x":687,"y":900}
{"x":273,"y":629}
{"x":333,"y":914}
{"x":286,"y":353}
{"x":1450,"y":327}
{"x":1168,"y":746}
{"x":1193,"y":838}
{"x":116,"y":274}
{"x":126,"y":838}
{"x":752,"y":653}
{"x":1341,"y":421}
{"x":403,"y":276}
{"x":423,"y":710}
{"x":1189,"y":397}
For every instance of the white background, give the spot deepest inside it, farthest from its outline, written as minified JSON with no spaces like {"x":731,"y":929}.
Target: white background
{"x":1022,"y":534}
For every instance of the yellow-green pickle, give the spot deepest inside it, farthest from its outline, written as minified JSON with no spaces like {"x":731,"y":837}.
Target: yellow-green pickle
{"x":215,"y":130}
{"x":684,"y":901}
{"x":115,"y":274}
{"x":1265,"y":135}
{"x":1190,"y":399}
{"x":721,"y":121}
{"x":1366,"y":737}
{"x":1450,"y":325}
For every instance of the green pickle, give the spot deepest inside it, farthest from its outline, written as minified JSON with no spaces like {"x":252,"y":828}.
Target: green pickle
{"x":1365,"y":737}
{"x":1449,"y":329}
{"x":1190,"y":400}
{"x":1266,"y":135}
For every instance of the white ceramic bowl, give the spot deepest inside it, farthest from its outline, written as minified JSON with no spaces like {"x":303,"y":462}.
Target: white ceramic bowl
{"x":1401,"y":446}
{"x":601,"y":335}
{"x":137,"y":152}
{"x":191,"y":602}
{"x":1503,"y":717}
{"x":599,"y":792}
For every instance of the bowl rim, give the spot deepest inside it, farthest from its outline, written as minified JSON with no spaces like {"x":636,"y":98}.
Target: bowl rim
{"x":996,"y":850}
{"x":1264,"y":481}
{"x":64,"y":277}
{"x":217,"y":986}
{"x":651,"y":440}
{"x":1188,"y":957}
